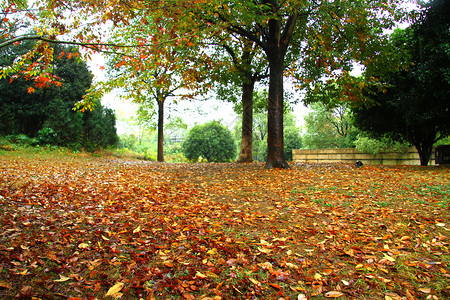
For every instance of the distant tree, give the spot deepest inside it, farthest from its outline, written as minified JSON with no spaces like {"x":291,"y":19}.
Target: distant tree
{"x":211,"y":141}
{"x":416,"y":107}
{"x":99,"y":128}
{"x":292,"y":137}
{"x":329,"y":127}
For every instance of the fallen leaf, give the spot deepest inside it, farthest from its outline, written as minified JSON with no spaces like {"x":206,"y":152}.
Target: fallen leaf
{"x":62,"y":278}
{"x":333,"y":294}
{"x":212,"y":251}
{"x":200,"y":275}
{"x":83,"y":246}
{"x":5,"y":284}
{"x":425,"y":290}
{"x":137,"y":229}
{"x":254,"y":281}
{"x":115,"y":289}
{"x":211,"y":274}
{"x":302,"y":297}
{"x":391,"y":259}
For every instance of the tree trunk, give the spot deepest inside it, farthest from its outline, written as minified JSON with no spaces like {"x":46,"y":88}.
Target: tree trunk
{"x":275,"y":138}
{"x":246,"y":154}
{"x":160,"y":157}
{"x":424,"y":150}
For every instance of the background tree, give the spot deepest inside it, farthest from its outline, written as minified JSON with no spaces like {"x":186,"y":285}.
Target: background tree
{"x":415,"y":107}
{"x":291,"y":131}
{"x":241,"y":67}
{"x":315,"y":28}
{"x":329,"y":127}
{"x":323,"y":38}
{"x":25,"y":110}
{"x":211,"y":141}
{"x":152,"y":75}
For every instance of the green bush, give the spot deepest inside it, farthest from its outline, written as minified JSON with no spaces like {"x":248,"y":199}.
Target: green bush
{"x":211,"y":141}
{"x":47,"y":136}
{"x":22,"y":140}
{"x":384,"y":144}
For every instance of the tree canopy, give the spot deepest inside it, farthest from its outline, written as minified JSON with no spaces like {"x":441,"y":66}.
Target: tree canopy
{"x":415,"y":107}
{"x":37,"y":108}
{"x":307,"y":40}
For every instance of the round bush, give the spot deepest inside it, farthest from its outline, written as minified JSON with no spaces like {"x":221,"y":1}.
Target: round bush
{"x":211,"y":141}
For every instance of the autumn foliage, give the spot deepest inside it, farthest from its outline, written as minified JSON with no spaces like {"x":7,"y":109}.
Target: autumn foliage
{"x":78,"y":227}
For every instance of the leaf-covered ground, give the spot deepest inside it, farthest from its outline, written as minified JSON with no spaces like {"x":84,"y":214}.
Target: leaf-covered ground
{"x":78,"y":227}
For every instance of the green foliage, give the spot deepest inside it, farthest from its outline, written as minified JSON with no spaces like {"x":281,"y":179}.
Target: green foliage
{"x":329,"y":127}
{"x":47,"y":136}
{"x":384,"y":144}
{"x":47,"y":113}
{"x":99,"y":128}
{"x":415,"y":107}
{"x":211,"y":141}
{"x":22,"y":140}
{"x":292,"y":140}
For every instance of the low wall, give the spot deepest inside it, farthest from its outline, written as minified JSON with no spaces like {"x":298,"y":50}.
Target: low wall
{"x":351,"y":155}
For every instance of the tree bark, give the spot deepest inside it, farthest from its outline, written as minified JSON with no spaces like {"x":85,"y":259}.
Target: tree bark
{"x":246,"y":154}
{"x":424,"y":149}
{"x":160,"y":157}
{"x":275,"y":137}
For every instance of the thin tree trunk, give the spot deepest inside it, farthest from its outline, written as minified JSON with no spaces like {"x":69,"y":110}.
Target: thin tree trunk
{"x":246,"y":154}
{"x":160,"y":157}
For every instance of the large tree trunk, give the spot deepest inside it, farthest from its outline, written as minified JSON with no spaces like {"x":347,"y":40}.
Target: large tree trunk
{"x":424,"y":150}
{"x":160,"y":157}
{"x":275,"y":138}
{"x":246,"y":154}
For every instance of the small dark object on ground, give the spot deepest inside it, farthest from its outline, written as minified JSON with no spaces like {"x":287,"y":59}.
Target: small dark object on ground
{"x":359,"y":164}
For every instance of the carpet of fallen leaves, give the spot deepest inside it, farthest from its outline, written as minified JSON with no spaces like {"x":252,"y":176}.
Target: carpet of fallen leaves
{"x":79,"y":227}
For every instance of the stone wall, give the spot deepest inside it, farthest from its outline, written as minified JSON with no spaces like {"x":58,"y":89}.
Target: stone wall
{"x":351,"y":155}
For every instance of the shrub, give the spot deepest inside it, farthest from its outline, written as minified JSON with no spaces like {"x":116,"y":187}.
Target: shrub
{"x":374,"y":146}
{"x":211,"y":141}
{"x":47,"y":136}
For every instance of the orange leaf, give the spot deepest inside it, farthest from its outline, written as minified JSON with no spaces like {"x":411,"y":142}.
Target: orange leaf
{"x":275,"y":286}
{"x":30,"y":90}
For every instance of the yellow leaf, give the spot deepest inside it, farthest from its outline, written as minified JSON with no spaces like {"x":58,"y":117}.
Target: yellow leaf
{"x":317,"y":276}
{"x":83,"y":246}
{"x":62,"y":278}
{"x":212,"y":251}
{"x":211,"y":274}
{"x":115,"y":289}
{"x":254,"y":281}
{"x":389,"y":258}
{"x":200,"y":275}
{"x":264,"y":250}
{"x":137,"y":229}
